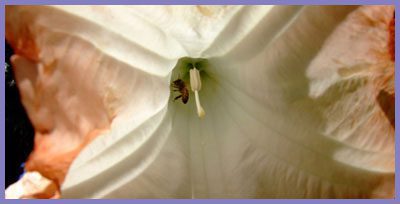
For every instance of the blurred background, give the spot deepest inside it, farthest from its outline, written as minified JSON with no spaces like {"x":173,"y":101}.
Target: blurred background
{"x":19,"y":131}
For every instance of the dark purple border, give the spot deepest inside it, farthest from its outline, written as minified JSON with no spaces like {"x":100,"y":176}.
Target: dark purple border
{"x":209,"y":2}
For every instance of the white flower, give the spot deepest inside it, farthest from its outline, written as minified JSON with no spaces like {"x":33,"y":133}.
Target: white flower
{"x":289,"y":114}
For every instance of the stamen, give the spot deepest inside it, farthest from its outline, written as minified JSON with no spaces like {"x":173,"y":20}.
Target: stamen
{"x":195,"y":83}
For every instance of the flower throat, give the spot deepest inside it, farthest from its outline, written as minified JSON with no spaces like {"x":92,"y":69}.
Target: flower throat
{"x":188,"y":71}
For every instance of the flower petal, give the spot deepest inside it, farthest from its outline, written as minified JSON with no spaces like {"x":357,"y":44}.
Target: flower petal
{"x":266,"y":133}
{"x":146,"y":162}
{"x":274,"y":136}
{"x":75,"y":85}
{"x":254,"y":28}
{"x":195,"y":27}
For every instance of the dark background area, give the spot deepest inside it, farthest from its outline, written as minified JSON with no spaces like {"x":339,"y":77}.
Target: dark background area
{"x":19,"y":130}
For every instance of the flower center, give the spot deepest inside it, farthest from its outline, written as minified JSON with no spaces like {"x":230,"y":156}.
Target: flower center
{"x":188,"y":71}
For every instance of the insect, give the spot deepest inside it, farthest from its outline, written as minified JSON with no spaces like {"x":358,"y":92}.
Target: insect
{"x":180,"y":86}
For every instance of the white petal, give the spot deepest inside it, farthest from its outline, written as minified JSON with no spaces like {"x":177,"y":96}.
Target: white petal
{"x":115,"y":30}
{"x":195,"y":27}
{"x":146,"y":162}
{"x":265,"y":134}
{"x":253,"y":27}
{"x":273,"y":135}
{"x":78,"y":78}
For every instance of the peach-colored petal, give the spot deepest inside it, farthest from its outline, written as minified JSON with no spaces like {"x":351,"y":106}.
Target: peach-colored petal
{"x":71,"y":88}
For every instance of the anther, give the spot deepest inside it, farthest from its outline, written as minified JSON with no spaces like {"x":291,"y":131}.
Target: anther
{"x":195,"y":83}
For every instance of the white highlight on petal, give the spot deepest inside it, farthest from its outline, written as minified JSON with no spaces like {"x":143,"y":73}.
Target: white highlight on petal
{"x":195,"y":83}
{"x":32,"y":185}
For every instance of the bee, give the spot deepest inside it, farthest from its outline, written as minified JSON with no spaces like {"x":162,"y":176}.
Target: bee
{"x":179,"y":85}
